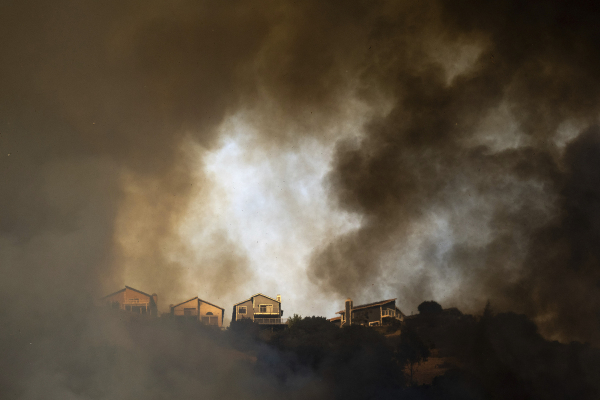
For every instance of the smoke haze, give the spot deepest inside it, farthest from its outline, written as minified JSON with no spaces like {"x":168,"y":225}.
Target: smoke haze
{"x":457,"y":146}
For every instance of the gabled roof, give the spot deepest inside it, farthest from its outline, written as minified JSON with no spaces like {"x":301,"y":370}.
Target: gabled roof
{"x":178,"y":304}
{"x":199,"y":299}
{"x":257,"y":294}
{"x":377,"y":303}
{"x":214,"y":305}
{"x":127,"y":287}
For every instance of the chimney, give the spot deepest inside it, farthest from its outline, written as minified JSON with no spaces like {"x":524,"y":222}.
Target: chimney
{"x":348,"y":311}
{"x":155,"y":299}
{"x":279,"y":298}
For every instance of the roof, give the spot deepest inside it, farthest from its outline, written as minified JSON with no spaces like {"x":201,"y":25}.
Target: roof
{"x":127,"y":287}
{"x":377,"y":303}
{"x":214,"y":305}
{"x":257,"y":294}
{"x":196,"y":297}
{"x":335,"y":319}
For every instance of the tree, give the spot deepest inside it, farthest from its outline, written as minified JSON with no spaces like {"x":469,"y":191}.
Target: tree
{"x":430,"y":308}
{"x":244,"y":334}
{"x":410,"y":352}
{"x":293,"y":320}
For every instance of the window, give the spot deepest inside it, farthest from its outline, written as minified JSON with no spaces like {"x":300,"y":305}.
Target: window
{"x":241,"y":309}
{"x":134,"y":300}
{"x":265,"y":308}
{"x":210,"y":320}
{"x":209,"y":313}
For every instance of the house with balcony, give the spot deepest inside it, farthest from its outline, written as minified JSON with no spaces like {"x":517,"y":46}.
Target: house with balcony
{"x":259,"y":308}
{"x":132,"y":300}
{"x":200,"y":310}
{"x":379,"y":313}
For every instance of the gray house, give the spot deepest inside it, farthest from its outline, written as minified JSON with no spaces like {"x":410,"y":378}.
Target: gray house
{"x":372,"y":314}
{"x":259,"y":308}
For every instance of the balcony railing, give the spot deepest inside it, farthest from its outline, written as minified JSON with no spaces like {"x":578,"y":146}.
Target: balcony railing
{"x":388,"y":313}
{"x":267,"y":311}
{"x":270,"y":321}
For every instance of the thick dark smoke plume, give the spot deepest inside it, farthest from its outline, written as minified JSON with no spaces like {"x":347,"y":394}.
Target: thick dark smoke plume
{"x":100,"y":101}
{"x":536,"y":202}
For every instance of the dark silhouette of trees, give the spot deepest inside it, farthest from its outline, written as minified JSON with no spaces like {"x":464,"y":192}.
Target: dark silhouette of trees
{"x":410,"y":352}
{"x":244,"y":334}
{"x":430,"y":308}
{"x":293,"y":320}
{"x":492,"y":356}
{"x":356,"y":361}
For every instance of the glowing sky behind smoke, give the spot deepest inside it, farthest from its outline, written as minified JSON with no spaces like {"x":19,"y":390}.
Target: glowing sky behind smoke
{"x":272,"y":202}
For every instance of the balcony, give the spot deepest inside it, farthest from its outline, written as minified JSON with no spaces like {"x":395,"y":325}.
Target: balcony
{"x":271,"y":321}
{"x":265,"y":311}
{"x":390,"y":313}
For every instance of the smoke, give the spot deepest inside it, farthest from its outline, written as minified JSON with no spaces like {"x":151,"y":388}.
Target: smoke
{"x":96,"y":105}
{"x":471,"y":178}
{"x":471,"y":146}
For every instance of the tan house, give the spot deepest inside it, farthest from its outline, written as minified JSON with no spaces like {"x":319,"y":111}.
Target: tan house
{"x":372,"y":314}
{"x":200,"y":310}
{"x":260,"y":309}
{"x":132,"y":300}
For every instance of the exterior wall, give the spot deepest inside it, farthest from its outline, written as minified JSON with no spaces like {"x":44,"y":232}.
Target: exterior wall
{"x":180,"y":311}
{"x":376,"y":313}
{"x":270,"y":314}
{"x":132,"y":301}
{"x":206,"y":308}
{"x":390,"y":311}
{"x":366,"y":316}
{"x":249,"y":310}
{"x":262,"y":300}
{"x":199,"y":310}
{"x":253,"y":308}
{"x":116,"y":300}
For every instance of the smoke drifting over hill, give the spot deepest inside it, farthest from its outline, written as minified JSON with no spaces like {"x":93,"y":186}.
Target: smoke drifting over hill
{"x":482,"y":125}
{"x":480,"y":149}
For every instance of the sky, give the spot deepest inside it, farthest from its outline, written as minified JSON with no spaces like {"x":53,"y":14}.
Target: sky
{"x":443,"y":151}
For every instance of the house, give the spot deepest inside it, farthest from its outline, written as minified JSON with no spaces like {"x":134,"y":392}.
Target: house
{"x":259,"y":308}
{"x":372,"y":314}
{"x":132,"y":300}
{"x":199,"y":310}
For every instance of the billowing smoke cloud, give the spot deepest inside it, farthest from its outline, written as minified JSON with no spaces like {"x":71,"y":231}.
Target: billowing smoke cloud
{"x":478,"y":147}
{"x":479,"y":103}
{"x":96,"y":103}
